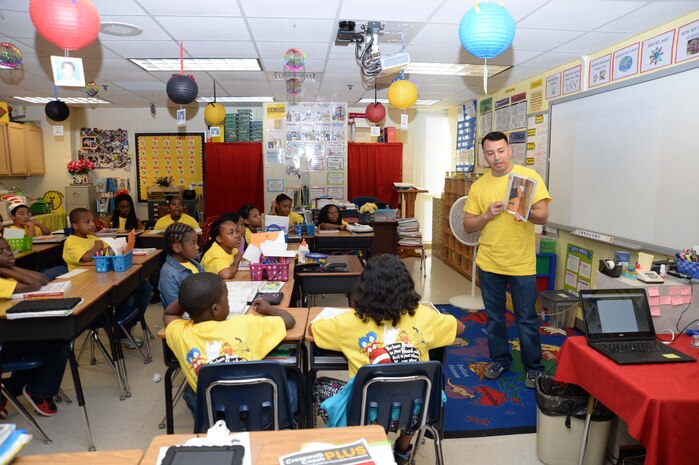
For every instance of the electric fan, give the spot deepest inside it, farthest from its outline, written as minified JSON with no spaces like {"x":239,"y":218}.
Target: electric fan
{"x":456,"y":223}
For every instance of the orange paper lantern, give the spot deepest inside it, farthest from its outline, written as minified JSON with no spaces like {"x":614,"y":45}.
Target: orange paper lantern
{"x":68,"y":24}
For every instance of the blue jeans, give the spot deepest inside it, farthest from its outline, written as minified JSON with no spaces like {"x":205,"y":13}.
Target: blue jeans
{"x":523,"y":290}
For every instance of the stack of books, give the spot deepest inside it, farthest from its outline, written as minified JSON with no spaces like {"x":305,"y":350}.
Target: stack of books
{"x":11,"y":442}
{"x":409,"y":233}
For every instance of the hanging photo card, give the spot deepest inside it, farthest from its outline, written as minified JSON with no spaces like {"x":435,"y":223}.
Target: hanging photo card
{"x":656,"y":52}
{"x":335,"y":163}
{"x":553,"y":86}
{"x":687,"y":42}
{"x":626,"y":62}
{"x":572,"y":79}
{"x":336,"y":178}
{"x":67,"y":71}
{"x":600,"y":71}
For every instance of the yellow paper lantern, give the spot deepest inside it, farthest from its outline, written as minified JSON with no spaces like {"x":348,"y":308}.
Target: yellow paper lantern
{"x":402,"y":94}
{"x":214,"y":113}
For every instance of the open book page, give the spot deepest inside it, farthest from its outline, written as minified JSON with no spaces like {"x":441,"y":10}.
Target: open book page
{"x":520,"y":195}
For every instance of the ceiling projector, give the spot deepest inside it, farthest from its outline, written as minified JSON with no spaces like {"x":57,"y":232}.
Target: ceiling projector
{"x":391,"y":64}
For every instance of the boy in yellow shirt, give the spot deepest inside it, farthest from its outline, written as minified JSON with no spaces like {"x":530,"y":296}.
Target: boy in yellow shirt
{"x":176,"y":215}
{"x":22,"y":219}
{"x":82,"y":245}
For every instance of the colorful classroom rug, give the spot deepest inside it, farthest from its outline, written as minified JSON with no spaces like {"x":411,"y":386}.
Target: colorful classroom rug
{"x":477,"y":406}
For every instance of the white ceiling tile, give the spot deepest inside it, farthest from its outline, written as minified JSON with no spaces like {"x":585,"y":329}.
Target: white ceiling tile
{"x":541,"y":39}
{"x":240,"y":89}
{"x":450,"y":54}
{"x":236,"y":76}
{"x":651,"y":15}
{"x":204,"y":28}
{"x":144,"y":49}
{"x":552,"y":59}
{"x":509,"y":57}
{"x":154,"y":85}
{"x":312,"y":66}
{"x":393,"y":10}
{"x":151,"y":29}
{"x":110,"y":7}
{"x":514,"y":75}
{"x":342,"y":66}
{"x":287,"y":9}
{"x":190,"y":9}
{"x":592,"y":42}
{"x":292,"y":31}
{"x":220,"y":49}
{"x":347,"y":78}
{"x":438,"y":34}
{"x":276,"y":49}
{"x":578,"y":15}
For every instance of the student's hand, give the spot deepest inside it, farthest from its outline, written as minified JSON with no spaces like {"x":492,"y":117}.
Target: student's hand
{"x":99,"y":245}
{"x":494,"y":210}
{"x":273,"y":210}
{"x":519,"y":218}
{"x":343,"y":226}
{"x":262,"y":306}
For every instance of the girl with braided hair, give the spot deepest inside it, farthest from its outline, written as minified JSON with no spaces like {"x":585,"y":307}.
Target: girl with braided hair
{"x":181,"y":245}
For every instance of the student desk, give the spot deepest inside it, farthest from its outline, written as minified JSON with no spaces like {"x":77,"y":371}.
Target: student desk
{"x":150,"y":239}
{"x":343,"y":240}
{"x":40,"y":256}
{"x":267,"y":446}
{"x":96,"y":299}
{"x":294,"y":335}
{"x":659,"y":402}
{"x":319,"y":282}
{"x":107,"y":457}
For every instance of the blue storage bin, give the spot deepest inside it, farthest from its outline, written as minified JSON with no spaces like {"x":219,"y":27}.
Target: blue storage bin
{"x":117,"y":263}
{"x":690,"y":268}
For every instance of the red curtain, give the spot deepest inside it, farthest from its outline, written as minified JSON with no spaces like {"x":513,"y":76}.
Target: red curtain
{"x":233,"y":174}
{"x":372,"y":169}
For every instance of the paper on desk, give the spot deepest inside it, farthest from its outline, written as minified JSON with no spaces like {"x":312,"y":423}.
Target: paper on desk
{"x":10,"y":233}
{"x":329,"y":312}
{"x":653,"y":301}
{"x":274,"y":220}
{"x":654,"y":310}
{"x":645,"y":261}
{"x":252,"y":254}
{"x":238,"y":439}
{"x":70,"y":274}
{"x":240,"y":293}
{"x":675,"y":290}
{"x":653,"y":291}
{"x":665,"y":300}
{"x":117,"y":244}
{"x":258,"y":238}
{"x":686,"y":290}
{"x":274,"y":249}
{"x":677,"y":300}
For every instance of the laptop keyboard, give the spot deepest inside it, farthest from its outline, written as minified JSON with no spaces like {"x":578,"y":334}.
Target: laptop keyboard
{"x":631,"y":346}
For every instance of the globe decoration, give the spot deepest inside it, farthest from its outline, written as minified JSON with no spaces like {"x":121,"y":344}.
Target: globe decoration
{"x":402,"y":94}
{"x":214,"y":113}
{"x":182,"y":89}
{"x":92,"y":88}
{"x":10,"y":55}
{"x":293,"y":86}
{"x":57,"y":110}
{"x":487,"y":29}
{"x":375,"y":112}
{"x":294,"y":59}
{"x":68,"y":24}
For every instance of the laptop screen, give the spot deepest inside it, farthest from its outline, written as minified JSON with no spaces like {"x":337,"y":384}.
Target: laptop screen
{"x":619,"y":314}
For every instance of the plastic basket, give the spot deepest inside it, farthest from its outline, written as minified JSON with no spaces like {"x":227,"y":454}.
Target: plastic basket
{"x":309,"y":228}
{"x":117,"y":263}
{"x":21,"y":244}
{"x":683,"y":266}
{"x":269,"y":271}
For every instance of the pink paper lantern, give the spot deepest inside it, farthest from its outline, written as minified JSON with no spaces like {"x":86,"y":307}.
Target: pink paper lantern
{"x":375,"y":112}
{"x":68,"y":24}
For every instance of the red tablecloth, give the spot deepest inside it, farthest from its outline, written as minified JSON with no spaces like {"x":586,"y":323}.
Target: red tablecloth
{"x":659,"y":402}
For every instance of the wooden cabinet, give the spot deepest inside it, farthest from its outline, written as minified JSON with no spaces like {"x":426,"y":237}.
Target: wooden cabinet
{"x":4,"y":151}
{"x":453,"y":252}
{"x":25,"y":150}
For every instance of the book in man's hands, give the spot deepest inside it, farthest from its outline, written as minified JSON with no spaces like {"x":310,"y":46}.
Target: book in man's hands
{"x":520,"y":195}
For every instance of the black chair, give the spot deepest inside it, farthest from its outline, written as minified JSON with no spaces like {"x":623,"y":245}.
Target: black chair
{"x":249,"y":396}
{"x":359,"y":201}
{"x":400,"y":396}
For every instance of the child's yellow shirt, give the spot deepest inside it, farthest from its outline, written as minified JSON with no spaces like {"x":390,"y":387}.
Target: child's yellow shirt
{"x":75,"y":247}
{"x":216,"y":259}
{"x":37,"y":230}
{"x":7,"y":287}
{"x":167,"y":220}
{"x":295,"y":218}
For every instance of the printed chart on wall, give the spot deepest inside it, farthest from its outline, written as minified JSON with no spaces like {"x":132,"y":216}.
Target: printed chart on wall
{"x":578,"y":271}
{"x":177,"y":156}
{"x":305,"y":151}
{"x":538,"y":143}
{"x":466,"y":137}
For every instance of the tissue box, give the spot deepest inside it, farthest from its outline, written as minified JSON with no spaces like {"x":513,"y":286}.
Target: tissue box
{"x":622,"y":257}
{"x":117,"y":263}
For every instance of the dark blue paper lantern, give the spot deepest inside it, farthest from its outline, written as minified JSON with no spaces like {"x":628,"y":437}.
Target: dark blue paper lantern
{"x":57,"y":110}
{"x":487,"y":29}
{"x":182,"y":89}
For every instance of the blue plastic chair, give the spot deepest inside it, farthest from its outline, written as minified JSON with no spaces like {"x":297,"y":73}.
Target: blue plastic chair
{"x":394,"y":395}
{"x":249,"y":396}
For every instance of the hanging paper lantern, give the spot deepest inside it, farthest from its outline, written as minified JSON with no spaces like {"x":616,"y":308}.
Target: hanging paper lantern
{"x":402,"y":94}
{"x":182,"y":89}
{"x":68,"y":24}
{"x":92,"y":88}
{"x":375,"y":112}
{"x":293,"y":86}
{"x":10,"y":55}
{"x":487,"y":29}
{"x":57,"y":110}
{"x":214,"y":113}
{"x":294,"y":59}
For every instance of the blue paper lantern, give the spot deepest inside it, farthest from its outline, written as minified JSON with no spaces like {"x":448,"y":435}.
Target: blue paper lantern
{"x":487,"y":29}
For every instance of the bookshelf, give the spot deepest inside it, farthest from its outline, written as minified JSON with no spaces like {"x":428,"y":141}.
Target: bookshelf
{"x":453,"y":252}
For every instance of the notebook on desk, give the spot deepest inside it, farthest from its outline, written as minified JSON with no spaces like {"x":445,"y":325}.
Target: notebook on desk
{"x":619,"y":325}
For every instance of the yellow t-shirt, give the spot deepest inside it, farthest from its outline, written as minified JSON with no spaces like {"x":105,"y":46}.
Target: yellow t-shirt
{"x":37,"y":230}
{"x":240,"y":338}
{"x":248,"y":233}
{"x":7,"y":287}
{"x":295,"y":218}
{"x":75,"y":247}
{"x":505,"y":246}
{"x":122,"y":223}
{"x":166,"y":221}
{"x":366,"y":343}
{"x":190,"y":266}
{"x":216,"y":259}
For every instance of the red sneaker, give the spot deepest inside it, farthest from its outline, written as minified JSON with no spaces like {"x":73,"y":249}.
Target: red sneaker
{"x":45,"y":407}
{"x":3,"y":408}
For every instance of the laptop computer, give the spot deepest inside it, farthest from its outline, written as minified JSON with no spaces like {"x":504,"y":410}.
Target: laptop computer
{"x":618,"y":324}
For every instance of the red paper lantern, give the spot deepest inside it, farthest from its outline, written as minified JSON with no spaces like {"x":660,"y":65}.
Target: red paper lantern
{"x":68,"y":24}
{"x":375,"y":112}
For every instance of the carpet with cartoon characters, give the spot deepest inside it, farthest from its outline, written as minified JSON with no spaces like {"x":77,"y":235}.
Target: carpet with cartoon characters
{"x":477,"y":406}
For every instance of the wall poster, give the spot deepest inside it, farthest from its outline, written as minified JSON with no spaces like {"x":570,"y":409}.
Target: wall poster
{"x":578,"y":272}
{"x":105,"y":148}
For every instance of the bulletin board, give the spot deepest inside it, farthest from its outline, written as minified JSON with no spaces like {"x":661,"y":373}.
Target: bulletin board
{"x":179,"y":156}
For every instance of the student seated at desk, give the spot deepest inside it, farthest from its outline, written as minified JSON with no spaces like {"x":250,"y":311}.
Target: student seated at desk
{"x":176,"y":215}
{"x":22,"y":219}
{"x":220,"y":254}
{"x":282,"y":207}
{"x":40,"y":384}
{"x":124,"y":216}
{"x":182,"y":248}
{"x":252,"y":219}
{"x":386,"y":313}
{"x":329,"y":218}
{"x":237,"y":338}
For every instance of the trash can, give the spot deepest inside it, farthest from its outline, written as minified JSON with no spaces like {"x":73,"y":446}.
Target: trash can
{"x":558,"y":307}
{"x":560,"y":423}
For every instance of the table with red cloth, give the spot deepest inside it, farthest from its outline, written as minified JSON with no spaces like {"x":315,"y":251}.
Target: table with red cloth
{"x":658,"y":402}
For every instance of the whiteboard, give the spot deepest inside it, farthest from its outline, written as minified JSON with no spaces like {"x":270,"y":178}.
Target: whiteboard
{"x":624,"y":160}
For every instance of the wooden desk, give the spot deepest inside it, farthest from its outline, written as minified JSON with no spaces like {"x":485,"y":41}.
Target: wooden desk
{"x":330,"y":283}
{"x":150,"y":240}
{"x":268,"y":446}
{"x":107,"y":457}
{"x":40,"y":256}
{"x":408,"y":197}
{"x":343,"y":240}
{"x":149,"y":263}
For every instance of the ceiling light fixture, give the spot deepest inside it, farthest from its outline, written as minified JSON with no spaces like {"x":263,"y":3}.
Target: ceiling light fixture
{"x":198,"y":64}
{"x":74,"y":100}
{"x":452,"y":69}
{"x":385,"y":100}
{"x":220,"y":99}
{"x":120,"y":29}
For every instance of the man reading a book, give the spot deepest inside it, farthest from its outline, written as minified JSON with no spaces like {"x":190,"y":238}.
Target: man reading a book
{"x":507,"y":255}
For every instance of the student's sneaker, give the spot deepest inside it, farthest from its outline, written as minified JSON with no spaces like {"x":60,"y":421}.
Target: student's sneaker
{"x":530,"y":380}
{"x":46,"y":407}
{"x":494,"y":370}
{"x":402,"y":458}
{"x":126,"y":343}
{"x":3,"y":407}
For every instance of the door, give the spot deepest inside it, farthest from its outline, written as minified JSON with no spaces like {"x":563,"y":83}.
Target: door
{"x":4,"y":151}
{"x":35,"y":149}
{"x":18,"y":149}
